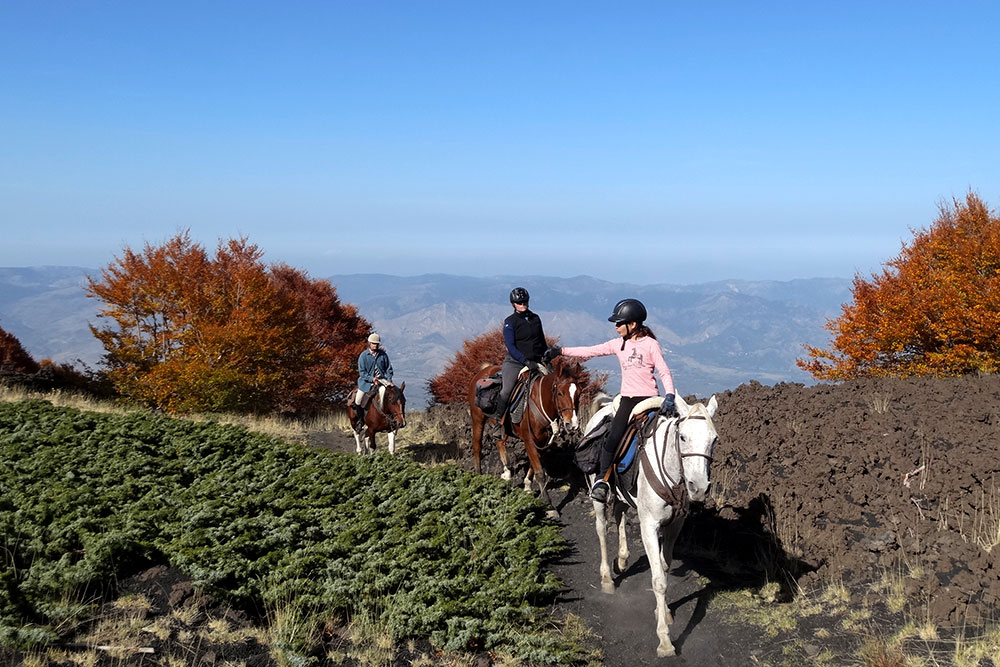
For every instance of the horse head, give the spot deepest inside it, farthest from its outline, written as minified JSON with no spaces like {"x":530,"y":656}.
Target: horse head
{"x":696,"y":438}
{"x":393,"y":404}
{"x":567,"y":397}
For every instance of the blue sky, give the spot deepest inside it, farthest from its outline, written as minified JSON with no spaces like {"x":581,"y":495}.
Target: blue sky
{"x":647,"y":142}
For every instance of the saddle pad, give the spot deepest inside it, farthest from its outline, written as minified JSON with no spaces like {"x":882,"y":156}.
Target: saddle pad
{"x":518,"y":401}
{"x":651,"y":403}
{"x":632,"y":431}
{"x":626,"y":461}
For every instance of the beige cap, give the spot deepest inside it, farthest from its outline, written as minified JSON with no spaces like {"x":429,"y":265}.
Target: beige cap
{"x":374,"y":338}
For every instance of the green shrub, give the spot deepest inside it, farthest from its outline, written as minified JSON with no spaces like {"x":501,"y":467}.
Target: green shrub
{"x":427,"y":552}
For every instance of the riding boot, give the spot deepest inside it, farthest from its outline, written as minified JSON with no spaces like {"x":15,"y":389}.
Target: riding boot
{"x":601,"y":488}
{"x":500,"y":410}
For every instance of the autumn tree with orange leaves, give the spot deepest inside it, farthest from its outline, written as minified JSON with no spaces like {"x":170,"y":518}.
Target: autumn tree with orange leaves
{"x":452,"y":385}
{"x":933,"y":311}
{"x":194,"y":332}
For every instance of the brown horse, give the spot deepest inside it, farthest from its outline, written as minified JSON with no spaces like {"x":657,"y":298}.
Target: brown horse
{"x":552,"y":397}
{"x":385,"y":412}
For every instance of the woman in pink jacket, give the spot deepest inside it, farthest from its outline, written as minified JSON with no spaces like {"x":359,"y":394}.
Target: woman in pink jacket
{"x":639,"y":355}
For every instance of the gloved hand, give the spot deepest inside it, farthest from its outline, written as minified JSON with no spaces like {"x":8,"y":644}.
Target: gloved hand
{"x":533,"y":366}
{"x":669,"y":407}
{"x":551,"y":353}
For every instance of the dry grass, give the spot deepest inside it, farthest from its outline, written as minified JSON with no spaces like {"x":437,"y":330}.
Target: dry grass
{"x":292,"y":630}
{"x":983,"y":527}
{"x":9,"y":394}
{"x":986,"y":522}
{"x":724,"y":483}
{"x":878,"y":402}
{"x":877,"y":652}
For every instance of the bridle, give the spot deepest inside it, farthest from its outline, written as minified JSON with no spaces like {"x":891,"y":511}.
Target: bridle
{"x":540,"y":411}
{"x":675,"y":491}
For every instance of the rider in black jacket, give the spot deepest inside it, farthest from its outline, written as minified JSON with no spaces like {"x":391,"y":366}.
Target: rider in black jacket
{"x":525,"y":341}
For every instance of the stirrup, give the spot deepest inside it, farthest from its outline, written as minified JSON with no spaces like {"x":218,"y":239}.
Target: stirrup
{"x":599,"y":492}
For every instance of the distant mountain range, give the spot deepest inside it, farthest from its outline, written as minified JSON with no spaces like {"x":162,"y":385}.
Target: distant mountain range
{"x":715,"y":335}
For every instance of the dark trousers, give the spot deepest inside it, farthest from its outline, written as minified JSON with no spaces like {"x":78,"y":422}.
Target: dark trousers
{"x":617,"y":430}
{"x":509,"y":373}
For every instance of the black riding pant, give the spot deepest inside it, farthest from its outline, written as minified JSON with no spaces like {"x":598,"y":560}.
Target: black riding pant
{"x":617,"y":430}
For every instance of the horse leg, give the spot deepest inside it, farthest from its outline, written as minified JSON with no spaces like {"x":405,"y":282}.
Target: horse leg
{"x":392,"y":442}
{"x":623,"y":552}
{"x":538,"y":473}
{"x":477,"y":436}
{"x":649,"y":527}
{"x":357,"y":441}
{"x":601,"y":525}
{"x":668,"y":536}
{"x":502,"y":450}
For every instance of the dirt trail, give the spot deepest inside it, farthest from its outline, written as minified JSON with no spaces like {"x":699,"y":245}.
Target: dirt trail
{"x":624,"y":620}
{"x":831,"y":482}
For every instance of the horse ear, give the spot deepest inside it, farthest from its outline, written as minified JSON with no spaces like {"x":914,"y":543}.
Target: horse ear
{"x":712,"y":406}
{"x":682,"y":407}
{"x":402,"y":387}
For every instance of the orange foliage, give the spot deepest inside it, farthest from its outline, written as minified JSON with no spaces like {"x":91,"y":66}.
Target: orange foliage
{"x":221,"y":333}
{"x":13,"y":357}
{"x":337,"y":333}
{"x":488,"y":348}
{"x":935,"y":309}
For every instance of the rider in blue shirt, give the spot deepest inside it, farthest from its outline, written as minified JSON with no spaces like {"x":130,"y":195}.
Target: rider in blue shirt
{"x":373,"y":365}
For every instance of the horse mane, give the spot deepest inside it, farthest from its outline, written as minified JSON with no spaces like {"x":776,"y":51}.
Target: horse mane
{"x":599,"y":401}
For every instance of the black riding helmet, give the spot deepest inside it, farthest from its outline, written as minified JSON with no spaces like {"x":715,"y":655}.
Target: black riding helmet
{"x":519,"y":295}
{"x":628,"y":310}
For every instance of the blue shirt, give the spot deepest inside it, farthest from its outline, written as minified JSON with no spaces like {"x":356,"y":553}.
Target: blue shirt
{"x":368,"y":363}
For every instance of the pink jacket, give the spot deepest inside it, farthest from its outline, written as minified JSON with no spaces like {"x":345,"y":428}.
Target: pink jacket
{"x":638,"y":360}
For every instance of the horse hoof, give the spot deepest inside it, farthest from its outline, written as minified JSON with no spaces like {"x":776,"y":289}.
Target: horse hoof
{"x":664,"y":651}
{"x":552,"y":514}
{"x":505,"y":475}
{"x":608,"y":587}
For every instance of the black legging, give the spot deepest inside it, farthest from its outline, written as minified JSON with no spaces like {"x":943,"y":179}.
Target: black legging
{"x":617,"y":430}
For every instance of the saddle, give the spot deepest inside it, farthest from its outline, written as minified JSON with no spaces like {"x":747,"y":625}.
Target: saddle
{"x":488,"y":394}
{"x":624,"y":472}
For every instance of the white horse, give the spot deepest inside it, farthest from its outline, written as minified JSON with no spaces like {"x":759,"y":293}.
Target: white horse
{"x":674,"y":455}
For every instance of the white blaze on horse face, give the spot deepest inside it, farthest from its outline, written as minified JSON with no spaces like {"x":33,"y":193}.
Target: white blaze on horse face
{"x":572,"y":395}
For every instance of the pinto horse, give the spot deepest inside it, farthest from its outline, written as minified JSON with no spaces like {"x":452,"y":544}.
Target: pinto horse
{"x":386,"y":412}
{"x":674,"y":454}
{"x":552,"y":397}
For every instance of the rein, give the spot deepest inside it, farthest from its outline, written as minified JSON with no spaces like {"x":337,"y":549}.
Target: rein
{"x":538,"y":409}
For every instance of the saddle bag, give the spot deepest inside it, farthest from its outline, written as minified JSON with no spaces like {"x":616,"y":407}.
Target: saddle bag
{"x":488,"y":393}
{"x":587,"y":454}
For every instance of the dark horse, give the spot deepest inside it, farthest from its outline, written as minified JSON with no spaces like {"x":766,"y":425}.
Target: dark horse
{"x":552,"y":397}
{"x":385,"y":412}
